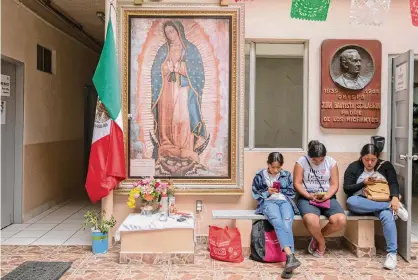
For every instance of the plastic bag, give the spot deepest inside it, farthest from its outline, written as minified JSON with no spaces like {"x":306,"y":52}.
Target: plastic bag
{"x":225,"y":244}
{"x":265,"y":247}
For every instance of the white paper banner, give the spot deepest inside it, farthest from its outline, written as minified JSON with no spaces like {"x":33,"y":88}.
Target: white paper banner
{"x":369,"y":12}
{"x":5,"y":85}
{"x":3,"y":112}
{"x":401,"y":79}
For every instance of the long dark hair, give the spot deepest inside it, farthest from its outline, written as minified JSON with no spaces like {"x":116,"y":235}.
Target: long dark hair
{"x":275,"y":156}
{"x":369,"y":149}
{"x":316,"y":149}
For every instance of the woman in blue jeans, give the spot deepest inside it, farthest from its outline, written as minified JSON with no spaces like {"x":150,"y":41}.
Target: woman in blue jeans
{"x":273,"y":189}
{"x":368,"y":170}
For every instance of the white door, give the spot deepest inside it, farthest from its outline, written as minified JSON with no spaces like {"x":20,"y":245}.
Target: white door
{"x":401,"y":142}
{"x":8,"y":128}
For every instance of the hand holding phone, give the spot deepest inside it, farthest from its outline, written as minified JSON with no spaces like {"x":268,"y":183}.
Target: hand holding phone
{"x":272,"y":191}
{"x":276,"y":185}
{"x":369,"y":181}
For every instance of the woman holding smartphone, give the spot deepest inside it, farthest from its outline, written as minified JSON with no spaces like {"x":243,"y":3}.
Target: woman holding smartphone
{"x":369,"y":170}
{"x":316,"y":180}
{"x":273,"y":189}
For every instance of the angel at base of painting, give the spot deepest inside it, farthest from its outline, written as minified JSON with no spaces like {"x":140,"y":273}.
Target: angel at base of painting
{"x":178,"y":79}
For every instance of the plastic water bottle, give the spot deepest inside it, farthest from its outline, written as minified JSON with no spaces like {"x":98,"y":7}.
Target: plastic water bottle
{"x":164,"y":207}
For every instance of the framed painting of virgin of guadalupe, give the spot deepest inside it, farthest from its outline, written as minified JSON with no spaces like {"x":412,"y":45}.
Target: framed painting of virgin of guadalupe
{"x":183,"y":94}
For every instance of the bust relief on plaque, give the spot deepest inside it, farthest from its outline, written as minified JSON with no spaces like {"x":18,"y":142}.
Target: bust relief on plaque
{"x":352,"y":67}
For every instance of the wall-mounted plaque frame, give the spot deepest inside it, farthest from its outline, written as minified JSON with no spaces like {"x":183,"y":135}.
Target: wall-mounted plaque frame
{"x":351,"y":84}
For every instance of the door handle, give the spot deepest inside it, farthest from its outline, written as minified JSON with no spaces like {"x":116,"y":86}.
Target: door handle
{"x":406,"y":157}
{"x":403,"y":157}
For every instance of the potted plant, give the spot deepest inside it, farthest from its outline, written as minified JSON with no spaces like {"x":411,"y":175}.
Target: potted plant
{"x":99,"y":231}
{"x":149,"y":190}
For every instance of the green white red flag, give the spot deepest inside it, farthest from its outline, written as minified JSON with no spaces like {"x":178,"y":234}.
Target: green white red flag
{"x":107,"y":158}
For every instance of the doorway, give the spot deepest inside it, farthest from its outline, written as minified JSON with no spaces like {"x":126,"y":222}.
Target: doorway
{"x":400,"y":131}
{"x":11,"y":141}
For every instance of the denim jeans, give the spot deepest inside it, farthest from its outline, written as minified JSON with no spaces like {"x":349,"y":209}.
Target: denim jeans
{"x":362,"y":205}
{"x":280,"y":215}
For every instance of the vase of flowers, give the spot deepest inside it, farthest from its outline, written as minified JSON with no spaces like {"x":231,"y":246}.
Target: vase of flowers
{"x":148,"y":191}
{"x":100,"y":227}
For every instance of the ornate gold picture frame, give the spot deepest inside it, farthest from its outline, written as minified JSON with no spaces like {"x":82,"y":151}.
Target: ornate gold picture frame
{"x":183,"y":95}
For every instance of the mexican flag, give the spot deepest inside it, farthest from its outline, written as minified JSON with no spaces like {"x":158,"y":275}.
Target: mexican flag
{"x":107,"y":158}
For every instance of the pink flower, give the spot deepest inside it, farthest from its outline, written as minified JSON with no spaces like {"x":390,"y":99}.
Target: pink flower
{"x":157,"y":184}
{"x":136,"y":195}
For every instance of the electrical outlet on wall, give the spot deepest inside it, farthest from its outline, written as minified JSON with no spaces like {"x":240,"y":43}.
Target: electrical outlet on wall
{"x":199,"y":206}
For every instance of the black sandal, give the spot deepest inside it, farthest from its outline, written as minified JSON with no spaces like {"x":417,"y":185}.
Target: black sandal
{"x":287,"y":275}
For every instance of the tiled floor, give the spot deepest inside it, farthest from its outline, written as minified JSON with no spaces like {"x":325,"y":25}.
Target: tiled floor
{"x":60,"y":225}
{"x":51,"y":237}
{"x":336,"y":265}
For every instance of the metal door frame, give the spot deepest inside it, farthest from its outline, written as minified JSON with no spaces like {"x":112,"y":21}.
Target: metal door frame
{"x":389,"y":103}
{"x":389,"y":106}
{"x":18,"y":187}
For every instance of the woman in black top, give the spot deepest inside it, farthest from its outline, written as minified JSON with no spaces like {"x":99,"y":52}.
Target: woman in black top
{"x":368,"y":170}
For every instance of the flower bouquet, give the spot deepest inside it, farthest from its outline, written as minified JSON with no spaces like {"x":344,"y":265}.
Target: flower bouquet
{"x":149,"y":190}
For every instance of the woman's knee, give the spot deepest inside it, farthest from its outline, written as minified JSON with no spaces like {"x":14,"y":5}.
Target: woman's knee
{"x":287,"y":212}
{"x":353,"y":202}
{"x":339,"y":220}
{"x":311,"y":220}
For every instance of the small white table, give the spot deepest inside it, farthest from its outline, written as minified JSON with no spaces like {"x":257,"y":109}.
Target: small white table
{"x":148,"y":240}
{"x":138,"y":222}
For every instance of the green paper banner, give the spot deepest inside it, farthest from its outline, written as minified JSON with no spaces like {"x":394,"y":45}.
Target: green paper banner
{"x":316,"y":10}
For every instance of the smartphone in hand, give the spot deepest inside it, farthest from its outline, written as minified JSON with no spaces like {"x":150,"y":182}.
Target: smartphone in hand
{"x":276,"y":185}
{"x":319,"y":195}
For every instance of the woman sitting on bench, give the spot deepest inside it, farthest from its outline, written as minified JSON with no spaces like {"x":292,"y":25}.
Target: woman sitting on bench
{"x":273,"y":189}
{"x":316,"y":180}
{"x":368,"y":171}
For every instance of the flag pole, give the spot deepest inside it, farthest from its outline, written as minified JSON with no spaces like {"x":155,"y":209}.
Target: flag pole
{"x":107,"y":202}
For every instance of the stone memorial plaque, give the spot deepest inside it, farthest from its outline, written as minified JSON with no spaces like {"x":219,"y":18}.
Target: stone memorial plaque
{"x":351,"y":84}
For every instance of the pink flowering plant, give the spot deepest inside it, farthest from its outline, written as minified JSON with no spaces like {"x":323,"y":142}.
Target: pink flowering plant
{"x":148,"y":189}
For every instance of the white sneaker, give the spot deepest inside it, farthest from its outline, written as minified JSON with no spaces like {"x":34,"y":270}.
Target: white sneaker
{"x":402,"y":213}
{"x":391,"y":261}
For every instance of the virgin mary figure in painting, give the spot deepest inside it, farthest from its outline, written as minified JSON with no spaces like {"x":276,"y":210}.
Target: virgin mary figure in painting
{"x":178,"y":79}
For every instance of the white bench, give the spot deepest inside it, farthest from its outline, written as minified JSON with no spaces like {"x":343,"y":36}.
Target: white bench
{"x":250,"y":215}
{"x":358,"y":236}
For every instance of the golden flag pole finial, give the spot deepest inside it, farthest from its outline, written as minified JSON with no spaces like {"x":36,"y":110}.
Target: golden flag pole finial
{"x":224,"y":2}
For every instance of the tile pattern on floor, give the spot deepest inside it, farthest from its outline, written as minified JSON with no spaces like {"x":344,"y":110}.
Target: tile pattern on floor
{"x":51,"y":236}
{"x":60,"y":225}
{"x":337,"y":264}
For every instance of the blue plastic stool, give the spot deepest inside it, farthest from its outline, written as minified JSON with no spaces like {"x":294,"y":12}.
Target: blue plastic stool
{"x":100,"y":243}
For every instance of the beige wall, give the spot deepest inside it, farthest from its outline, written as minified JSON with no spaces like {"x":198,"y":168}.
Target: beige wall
{"x":53,"y":105}
{"x":270,"y":20}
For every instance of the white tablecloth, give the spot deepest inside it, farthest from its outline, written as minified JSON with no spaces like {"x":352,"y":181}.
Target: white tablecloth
{"x":138,"y":222}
